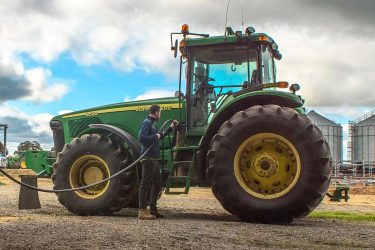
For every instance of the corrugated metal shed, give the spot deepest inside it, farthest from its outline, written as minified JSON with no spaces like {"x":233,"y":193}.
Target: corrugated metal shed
{"x":363,"y":139}
{"x":332,"y":132}
{"x":370,"y":121}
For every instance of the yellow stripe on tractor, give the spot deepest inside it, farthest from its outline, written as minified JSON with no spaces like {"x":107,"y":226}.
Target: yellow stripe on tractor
{"x":140,"y":108}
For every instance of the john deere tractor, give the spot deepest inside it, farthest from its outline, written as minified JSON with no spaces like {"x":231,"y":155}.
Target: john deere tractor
{"x":240,"y":132}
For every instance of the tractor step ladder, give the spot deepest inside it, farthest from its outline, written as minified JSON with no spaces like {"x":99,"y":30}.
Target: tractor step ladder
{"x":181,"y":181}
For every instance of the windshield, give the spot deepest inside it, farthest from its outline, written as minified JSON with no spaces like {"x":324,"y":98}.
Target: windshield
{"x":217,"y":71}
{"x":226,"y":69}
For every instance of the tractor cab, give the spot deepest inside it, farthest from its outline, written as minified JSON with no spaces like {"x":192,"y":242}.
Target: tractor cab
{"x":219,"y":66}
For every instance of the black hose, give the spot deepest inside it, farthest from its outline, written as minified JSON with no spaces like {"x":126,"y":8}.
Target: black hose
{"x":78,"y":188}
{"x":87,"y":186}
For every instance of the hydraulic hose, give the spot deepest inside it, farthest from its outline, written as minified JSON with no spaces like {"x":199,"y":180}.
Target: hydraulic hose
{"x":78,"y":188}
{"x":87,"y":186}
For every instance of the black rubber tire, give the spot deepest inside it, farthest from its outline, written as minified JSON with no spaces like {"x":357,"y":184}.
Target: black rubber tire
{"x":120,"y":189}
{"x":308,"y":140}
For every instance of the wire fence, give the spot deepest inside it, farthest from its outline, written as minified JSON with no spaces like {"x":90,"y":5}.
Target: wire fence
{"x":352,"y":173}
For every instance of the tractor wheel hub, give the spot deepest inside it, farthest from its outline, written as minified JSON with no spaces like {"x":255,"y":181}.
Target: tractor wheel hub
{"x":86,"y":170}
{"x":265,"y":165}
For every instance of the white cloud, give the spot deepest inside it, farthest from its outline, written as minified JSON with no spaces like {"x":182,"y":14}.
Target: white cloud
{"x":40,"y":89}
{"x":65,"y":111}
{"x":39,"y":123}
{"x":333,"y":69}
{"x":156,"y":93}
{"x":328,"y":47}
{"x":127,"y":99}
{"x":151,"y":94}
{"x":35,"y":84}
{"x":341,"y":113}
{"x":22,"y":127}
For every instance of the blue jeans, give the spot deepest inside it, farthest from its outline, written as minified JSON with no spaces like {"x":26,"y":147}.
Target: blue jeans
{"x":151,"y":183}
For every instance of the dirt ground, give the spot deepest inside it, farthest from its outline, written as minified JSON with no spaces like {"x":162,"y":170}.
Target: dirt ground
{"x":193,"y":221}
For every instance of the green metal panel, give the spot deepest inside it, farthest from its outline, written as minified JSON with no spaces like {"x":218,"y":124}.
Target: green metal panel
{"x":127,"y":116}
{"x":14,"y":161}
{"x":268,"y":92}
{"x":39,"y":162}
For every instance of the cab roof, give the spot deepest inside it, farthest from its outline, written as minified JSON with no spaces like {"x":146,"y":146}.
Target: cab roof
{"x":228,"y":39}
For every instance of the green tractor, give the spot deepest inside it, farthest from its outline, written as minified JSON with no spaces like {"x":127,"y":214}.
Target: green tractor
{"x":238,"y":133}
{"x":15,"y":162}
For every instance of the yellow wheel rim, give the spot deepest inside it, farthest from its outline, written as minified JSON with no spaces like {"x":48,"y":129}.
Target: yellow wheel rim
{"x":267,"y":165}
{"x":86,"y":170}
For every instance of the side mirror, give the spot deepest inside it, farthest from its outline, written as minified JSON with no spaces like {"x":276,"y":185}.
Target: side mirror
{"x":277,"y":55}
{"x":175,"y":48}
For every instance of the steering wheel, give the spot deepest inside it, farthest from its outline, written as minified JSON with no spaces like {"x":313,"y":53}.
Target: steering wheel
{"x":208,"y":79}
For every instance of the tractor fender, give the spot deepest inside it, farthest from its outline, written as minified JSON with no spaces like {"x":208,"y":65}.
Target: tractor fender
{"x":242,"y":102}
{"x":126,"y":137}
{"x":133,"y":144}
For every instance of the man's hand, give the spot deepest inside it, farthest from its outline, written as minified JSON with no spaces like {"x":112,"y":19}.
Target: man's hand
{"x":170,"y":129}
{"x":174,"y":123}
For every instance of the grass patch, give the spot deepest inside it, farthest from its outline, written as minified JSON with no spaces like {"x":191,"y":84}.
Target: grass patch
{"x":2,"y":183}
{"x":343,"y":215}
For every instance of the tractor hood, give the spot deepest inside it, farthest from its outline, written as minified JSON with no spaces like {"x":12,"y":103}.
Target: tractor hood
{"x":142,"y":105}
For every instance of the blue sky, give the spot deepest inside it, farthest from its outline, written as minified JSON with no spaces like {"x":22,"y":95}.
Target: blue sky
{"x":94,"y":86}
{"x":57,"y":56}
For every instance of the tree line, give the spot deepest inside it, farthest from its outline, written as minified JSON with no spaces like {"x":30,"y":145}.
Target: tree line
{"x":23,"y":147}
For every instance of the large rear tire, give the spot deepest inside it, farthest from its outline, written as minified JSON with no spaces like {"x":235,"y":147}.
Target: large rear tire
{"x":269,"y":164}
{"x":87,"y":160}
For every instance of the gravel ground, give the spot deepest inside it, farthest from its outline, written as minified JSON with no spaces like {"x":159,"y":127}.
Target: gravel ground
{"x":192,"y":221}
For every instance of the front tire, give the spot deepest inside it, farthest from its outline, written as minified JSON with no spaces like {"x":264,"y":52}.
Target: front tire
{"x":269,"y":164}
{"x":89,"y":159}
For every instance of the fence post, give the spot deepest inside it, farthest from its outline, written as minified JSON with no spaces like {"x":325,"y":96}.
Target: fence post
{"x":28,"y":198}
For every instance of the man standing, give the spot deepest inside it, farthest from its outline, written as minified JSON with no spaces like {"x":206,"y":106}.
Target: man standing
{"x":151,"y":178}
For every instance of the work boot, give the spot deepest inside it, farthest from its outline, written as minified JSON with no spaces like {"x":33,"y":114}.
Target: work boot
{"x":144,"y":214}
{"x":154,"y":212}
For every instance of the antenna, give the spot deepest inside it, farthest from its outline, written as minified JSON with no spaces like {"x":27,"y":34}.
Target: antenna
{"x":226,"y":19}
{"x":242,"y":16}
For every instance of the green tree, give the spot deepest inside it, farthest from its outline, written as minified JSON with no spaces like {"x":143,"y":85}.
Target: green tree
{"x":27,"y":145}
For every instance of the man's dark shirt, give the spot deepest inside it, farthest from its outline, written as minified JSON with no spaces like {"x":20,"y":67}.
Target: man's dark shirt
{"x":147,"y":136}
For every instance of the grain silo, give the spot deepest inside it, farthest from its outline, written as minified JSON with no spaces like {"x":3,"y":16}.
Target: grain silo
{"x":332,"y":132}
{"x":362,"y":133}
